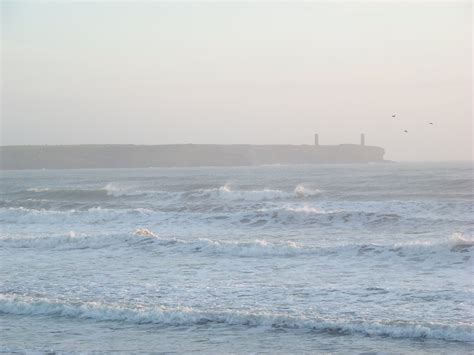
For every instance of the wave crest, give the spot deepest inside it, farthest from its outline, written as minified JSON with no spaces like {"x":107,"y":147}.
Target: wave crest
{"x":186,"y":316}
{"x":420,"y":251}
{"x":302,"y":191}
{"x":228,"y":193}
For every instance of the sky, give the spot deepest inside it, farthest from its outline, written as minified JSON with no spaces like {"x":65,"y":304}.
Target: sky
{"x":263,"y":72}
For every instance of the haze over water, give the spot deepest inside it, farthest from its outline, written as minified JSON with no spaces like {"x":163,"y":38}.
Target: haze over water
{"x":240,"y":73}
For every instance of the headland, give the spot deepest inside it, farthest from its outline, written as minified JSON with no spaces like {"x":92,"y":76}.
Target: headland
{"x":181,"y":155}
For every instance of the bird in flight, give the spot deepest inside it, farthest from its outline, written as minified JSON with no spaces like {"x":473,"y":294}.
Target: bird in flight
{"x":431,"y":123}
{"x":405,"y":131}
{"x":394,"y":115}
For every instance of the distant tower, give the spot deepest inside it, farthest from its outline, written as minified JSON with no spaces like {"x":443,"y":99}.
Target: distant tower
{"x":316,"y":139}
{"x":362,"y":139}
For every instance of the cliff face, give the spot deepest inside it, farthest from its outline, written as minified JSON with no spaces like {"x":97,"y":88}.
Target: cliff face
{"x":180,"y":155}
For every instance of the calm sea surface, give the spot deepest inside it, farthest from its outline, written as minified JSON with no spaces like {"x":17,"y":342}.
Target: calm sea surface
{"x":277,"y":259}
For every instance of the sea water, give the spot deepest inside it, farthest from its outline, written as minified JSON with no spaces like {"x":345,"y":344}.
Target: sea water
{"x":278,"y":259}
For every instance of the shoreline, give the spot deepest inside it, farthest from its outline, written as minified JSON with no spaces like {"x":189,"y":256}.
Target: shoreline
{"x":182,"y":155}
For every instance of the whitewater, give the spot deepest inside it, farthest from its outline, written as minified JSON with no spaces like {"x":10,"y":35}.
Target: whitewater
{"x":357,"y":258}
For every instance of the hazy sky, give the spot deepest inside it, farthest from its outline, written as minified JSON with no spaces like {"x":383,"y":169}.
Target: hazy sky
{"x":248,"y":72}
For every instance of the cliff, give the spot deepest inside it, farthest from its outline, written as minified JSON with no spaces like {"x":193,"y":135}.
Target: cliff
{"x":180,"y":155}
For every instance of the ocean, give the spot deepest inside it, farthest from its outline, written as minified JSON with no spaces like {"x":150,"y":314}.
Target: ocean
{"x":358,"y":258}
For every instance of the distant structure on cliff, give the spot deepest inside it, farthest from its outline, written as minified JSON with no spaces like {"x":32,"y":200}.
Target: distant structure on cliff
{"x":183,"y":155}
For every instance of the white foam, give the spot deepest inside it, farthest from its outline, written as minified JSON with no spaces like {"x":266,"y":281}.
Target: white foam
{"x":455,"y":240}
{"x":302,"y":191}
{"x":143,"y":232}
{"x":299,"y":215}
{"x":256,"y":248}
{"x":433,"y":251}
{"x":116,"y":190}
{"x":46,"y":216}
{"x":186,"y":316}
{"x":71,"y":240}
{"x":228,"y":193}
{"x":38,"y":189}
{"x":460,"y":240}
{"x":249,"y":195}
{"x":306,"y":210}
{"x":235,"y":248}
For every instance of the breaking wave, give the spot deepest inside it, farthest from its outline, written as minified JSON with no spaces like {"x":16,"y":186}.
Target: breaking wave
{"x":225,"y":192}
{"x":144,"y":236}
{"x":186,"y":316}
{"x":420,"y":251}
{"x":209,"y":214}
{"x":228,"y":193}
{"x":91,"y":215}
{"x":302,"y":191}
{"x":110,"y":190}
{"x":68,"y":241}
{"x":116,"y":190}
{"x":38,"y":189}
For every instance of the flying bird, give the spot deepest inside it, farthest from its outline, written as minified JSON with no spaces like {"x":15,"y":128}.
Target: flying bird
{"x":405,"y":131}
{"x":431,"y":123}
{"x":394,"y":115}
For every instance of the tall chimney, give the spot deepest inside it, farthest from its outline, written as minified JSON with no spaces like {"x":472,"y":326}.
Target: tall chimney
{"x":362,"y":139}
{"x":316,"y":139}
